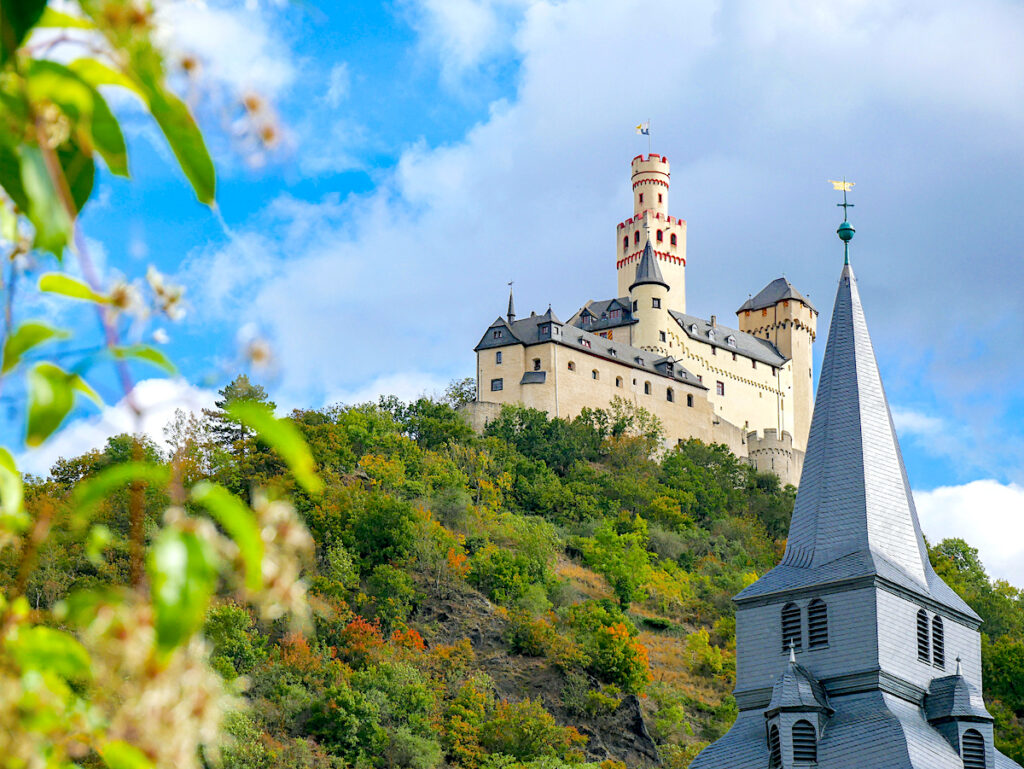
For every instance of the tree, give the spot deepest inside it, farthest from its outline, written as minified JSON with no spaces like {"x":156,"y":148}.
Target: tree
{"x":224,"y":429}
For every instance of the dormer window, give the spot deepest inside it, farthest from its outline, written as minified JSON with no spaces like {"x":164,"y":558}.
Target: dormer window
{"x":612,"y":352}
{"x":639,"y":360}
{"x":585,"y":343}
{"x":711,"y":334}
{"x":730,"y":340}
{"x":498,"y":333}
{"x":693,"y":328}
{"x":615,"y":314}
{"x":588,"y":319}
{"x":545,"y":329}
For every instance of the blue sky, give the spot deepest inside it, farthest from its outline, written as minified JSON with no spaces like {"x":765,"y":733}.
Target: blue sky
{"x":435,"y":149}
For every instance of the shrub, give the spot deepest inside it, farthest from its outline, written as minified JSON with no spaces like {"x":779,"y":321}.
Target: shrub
{"x":406,"y":750}
{"x":348,"y":723}
{"x":383,"y":531}
{"x":393,"y":595}
{"x":360,"y":642}
{"x":704,"y":658}
{"x":526,"y":731}
{"x":237,"y":648}
{"x":617,"y":658}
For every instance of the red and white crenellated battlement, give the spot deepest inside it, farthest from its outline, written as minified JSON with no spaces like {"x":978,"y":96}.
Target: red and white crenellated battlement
{"x":657,"y":215}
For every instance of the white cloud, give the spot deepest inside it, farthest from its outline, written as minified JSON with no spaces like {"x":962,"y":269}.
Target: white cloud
{"x":405,"y":385}
{"x":338,"y":84}
{"x":916,"y":423}
{"x":987,"y":514}
{"x":157,"y":398}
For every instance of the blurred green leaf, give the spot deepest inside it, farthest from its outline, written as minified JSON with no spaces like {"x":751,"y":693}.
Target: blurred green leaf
{"x":97,"y":73}
{"x":122,"y":755}
{"x":8,"y":222}
{"x":146,"y":353}
{"x":44,"y":208}
{"x":51,"y":396}
{"x":49,"y":650}
{"x":11,"y":490}
{"x":183,"y":575}
{"x":282,"y":436}
{"x":186,"y":140}
{"x":52,"y":18}
{"x":65,"y":285}
{"x":99,"y":537}
{"x":28,"y":335}
{"x":17,"y":17}
{"x":240,"y":524}
{"x":91,"y":491}
{"x":78,"y":99}
{"x":10,"y":173}
{"x":79,"y":172}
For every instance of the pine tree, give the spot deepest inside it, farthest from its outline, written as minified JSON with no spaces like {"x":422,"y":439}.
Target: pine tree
{"x":224,"y":430}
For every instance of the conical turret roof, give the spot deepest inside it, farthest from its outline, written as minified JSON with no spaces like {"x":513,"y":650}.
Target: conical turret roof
{"x":797,"y":689}
{"x":854,"y":513}
{"x":647,"y":269}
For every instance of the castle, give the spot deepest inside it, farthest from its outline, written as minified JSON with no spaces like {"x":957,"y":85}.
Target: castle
{"x":749,"y":387}
{"x":853,"y":651}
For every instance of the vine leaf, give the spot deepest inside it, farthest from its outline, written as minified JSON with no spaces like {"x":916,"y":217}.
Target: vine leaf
{"x":28,"y":335}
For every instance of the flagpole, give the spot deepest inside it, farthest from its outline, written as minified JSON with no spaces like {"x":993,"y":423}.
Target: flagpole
{"x":648,"y":137}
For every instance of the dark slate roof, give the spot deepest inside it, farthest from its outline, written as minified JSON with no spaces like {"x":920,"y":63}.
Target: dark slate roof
{"x":604,"y":307}
{"x":854,"y":513}
{"x":797,"y":689}
{"x":511,"y":307}
{"x":743,"y":343}
{"x":1005,"y":762}
{"x":647,"y":269}
{"x":533,"y":377}
{"x":953,"y":697}
{"x":527,"y":331}
{"x":778,"y":290}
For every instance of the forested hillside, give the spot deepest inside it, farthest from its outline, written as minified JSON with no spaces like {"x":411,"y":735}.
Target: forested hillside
{"x":552,"y":592}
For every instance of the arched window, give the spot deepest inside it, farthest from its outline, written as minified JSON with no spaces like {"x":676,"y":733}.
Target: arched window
{"x":924,"y":652}
{"x":497,"y":357}
{"x":636,"y":237}
{"x":774,"y":748}
{"x":618,"y":381}
{"x":625,"y":243}
{"x":594,"y":374}
{"x":938,"y":643}
{"x":972,"y":749}
{"x":672,"y":239}
{"x":791,"y":631}
{"x":661,"y":236}
{"x":669,"y":395}
{"x":572,"y":366}
{"x":817,"y":624}
{"x":647,"y":388}
{"x":805,"y":743}
{"x":689,"y":401}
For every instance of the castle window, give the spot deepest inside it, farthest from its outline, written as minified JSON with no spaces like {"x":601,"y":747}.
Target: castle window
{"x":545,"y":329}
{"x":661,"y":336}
{"x":641,"y":197}
{"x":753,"y":364}
{"x":587,"y":320}
{"x":734,"y":356}
{"x":618,"y":381}
{"x":720,"y":388}
{"x":498,"y":334}
{"x":656,"y":303}
{"x":594,"y":374}
{"x":611,"y":350}
{"x":536,"y":364}
{"x":805,"y":743}
{"x":817,"y":624}
{"x":572,"y":366}
{"x":585,"y":343}
{"x":693,"y":328}
{"x":792,"y":633}
{"x":634,"y":305}
{"x":700,"y":378}
{"x":923,"y":646}
{"x":497,"y":357}
{"x":647,"y":388}
{"x":615,"y":314}
{"x":938,"y":644}
{"x":669,"y":395}
{"x":659,"y":197}
{"x":497,"y":384}
{"x":672,"y":239}
{"x":661,"y":236}
{"x":972,"y":749}
{"x":636,"y":238}
{"x":714,"y":351}
{"x":730,"y":340}
{"x":625,"y":243}
{"x":689,"y":401}
{"x":764,"y":311}
{"x":774,"y":748}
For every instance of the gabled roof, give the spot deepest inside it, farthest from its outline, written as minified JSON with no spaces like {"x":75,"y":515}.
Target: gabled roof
{"x":797,"y":689}
{"x":854,"y":513}
{"x":604,"y":307}
{"x":647,"y":269}
{"x":954,"y":697}
{"x":778,"y":290}
{"x":745,"y":344}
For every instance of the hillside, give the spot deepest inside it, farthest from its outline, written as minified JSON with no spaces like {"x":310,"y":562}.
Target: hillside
{"x":545,"y":594}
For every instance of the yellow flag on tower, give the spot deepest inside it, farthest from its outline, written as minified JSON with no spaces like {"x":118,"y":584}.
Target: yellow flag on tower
{"x":843,"y":186}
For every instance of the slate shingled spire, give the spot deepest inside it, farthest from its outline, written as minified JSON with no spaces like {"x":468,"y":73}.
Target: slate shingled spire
{"x":511,"y":306}
{"x":647,"y":269}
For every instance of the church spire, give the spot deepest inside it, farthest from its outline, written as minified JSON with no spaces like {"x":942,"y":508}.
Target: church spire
{"x":511,"y":304}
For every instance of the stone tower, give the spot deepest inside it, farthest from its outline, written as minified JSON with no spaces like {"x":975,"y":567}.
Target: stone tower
{"x":787,"y":319}
{"x":650,"y":295}
{"x":650,"y":181}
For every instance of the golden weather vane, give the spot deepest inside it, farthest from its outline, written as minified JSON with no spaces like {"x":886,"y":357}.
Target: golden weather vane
{"x":845,"y":186}
{"x":845,"y":231}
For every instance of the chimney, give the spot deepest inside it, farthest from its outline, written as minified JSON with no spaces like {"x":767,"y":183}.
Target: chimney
{"x":714,"y":321}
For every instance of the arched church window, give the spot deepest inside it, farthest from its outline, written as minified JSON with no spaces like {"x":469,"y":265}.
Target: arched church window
{"x":923,"y":644}
{"x":938,"y":643}
{"x":774,"y":748}
{"x":805,"y":743}
{"x":817,"y":624}
{"x":636,"y":237}
{"x":672,"y":239}
{"x":661,"y":236}
{"x":791,"y":631}
{"x":972,"y":749}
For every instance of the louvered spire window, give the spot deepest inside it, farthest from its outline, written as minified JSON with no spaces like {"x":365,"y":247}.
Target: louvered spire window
{"x":938,"y":644}
{"x":774,"y":748}
{"x":972,"y":748}
{"x":923,"y":645}
{"x":792,"y":634}
{"x":805,"y":743}
{"x":817,"y":624}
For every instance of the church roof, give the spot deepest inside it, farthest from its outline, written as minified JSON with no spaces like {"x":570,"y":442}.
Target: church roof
{"x":647,"y":269}
{"x":854,"y":513}
{"x":778,"y":290}
{"x":954,"y":697}
{"x":797,"y":689}
{"x":743,"y":343}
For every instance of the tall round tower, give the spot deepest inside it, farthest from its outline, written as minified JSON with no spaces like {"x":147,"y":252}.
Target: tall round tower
{"x":650,"y":180}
